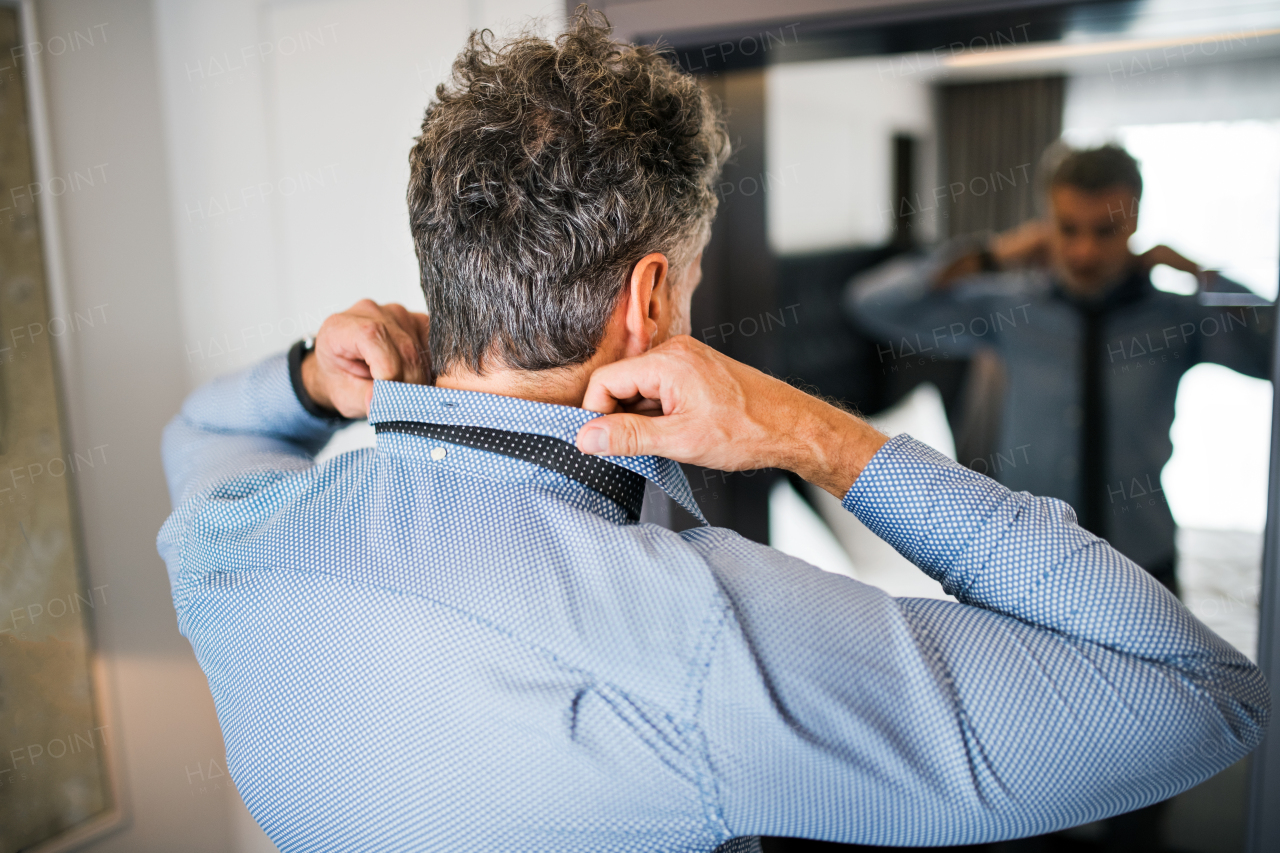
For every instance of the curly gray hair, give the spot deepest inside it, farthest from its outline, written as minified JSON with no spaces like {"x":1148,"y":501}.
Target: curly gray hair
{"x":543,"y":173}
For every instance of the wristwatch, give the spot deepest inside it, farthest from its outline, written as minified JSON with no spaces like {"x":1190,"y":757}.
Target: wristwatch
{"x":297,"y":353}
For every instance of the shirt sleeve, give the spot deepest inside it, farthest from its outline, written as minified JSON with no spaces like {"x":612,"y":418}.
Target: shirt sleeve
{"x":235,"y":436}
{"x":897,"y":303}
{"x":1238,"y":338}
{"x":1064,"y":686}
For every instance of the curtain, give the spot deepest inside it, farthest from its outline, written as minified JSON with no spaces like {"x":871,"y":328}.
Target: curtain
{"x":992,"y":137}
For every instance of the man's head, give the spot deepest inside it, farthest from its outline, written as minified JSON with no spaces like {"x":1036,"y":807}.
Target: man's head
{"x":1093,"y":201}
{"x":553,"y":185}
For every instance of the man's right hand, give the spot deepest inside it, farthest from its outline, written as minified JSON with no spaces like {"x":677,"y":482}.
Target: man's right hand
{"x":688,"y":402}
{"x":1024,"y":246}
{"x":368,"y":341}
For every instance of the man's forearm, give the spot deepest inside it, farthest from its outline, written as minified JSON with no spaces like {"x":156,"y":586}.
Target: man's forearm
{"x":828,"y":447}
{"x":238,"y":434}
{"x":916,"y":298}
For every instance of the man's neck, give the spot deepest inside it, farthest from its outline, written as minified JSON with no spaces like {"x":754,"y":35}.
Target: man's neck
{"x":563,"y":386}
{"x":1098,"y":292}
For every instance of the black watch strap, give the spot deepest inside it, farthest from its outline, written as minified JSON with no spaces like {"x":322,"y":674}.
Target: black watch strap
{"x":296,"y":353}
{"x":987,"y":260}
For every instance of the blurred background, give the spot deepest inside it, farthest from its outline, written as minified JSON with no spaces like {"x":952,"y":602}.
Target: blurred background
{"x":187,"y":187}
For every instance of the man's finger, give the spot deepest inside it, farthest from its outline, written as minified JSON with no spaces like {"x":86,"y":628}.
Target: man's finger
{"x":374,"y":344}
{"x":410,"y":332}
{"x":424,"y":333}
{"x":402,"y":332}
{"x":420,"y":327}
{"x":623,"y":435}
{"x":624,"y":380}
{"x":351,"y":397}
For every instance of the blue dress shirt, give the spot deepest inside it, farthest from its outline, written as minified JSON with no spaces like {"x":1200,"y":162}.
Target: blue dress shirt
{"x":425,"y":646}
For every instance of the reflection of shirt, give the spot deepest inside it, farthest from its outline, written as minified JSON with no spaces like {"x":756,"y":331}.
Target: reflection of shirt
{"x":1146,"y":339}
{"x":422,"y":646}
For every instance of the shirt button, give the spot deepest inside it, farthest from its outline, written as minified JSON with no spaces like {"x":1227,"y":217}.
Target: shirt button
{"x":437,"y":453}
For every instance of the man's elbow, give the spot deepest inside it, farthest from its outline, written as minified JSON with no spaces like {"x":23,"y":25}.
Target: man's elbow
{"x":1248,"y":711}
{"x":1234,"y":724}
{"x":175,"y":454}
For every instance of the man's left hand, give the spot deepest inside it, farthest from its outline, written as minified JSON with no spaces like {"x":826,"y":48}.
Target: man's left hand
{"x":1162,"y":254}
{"x":368,"y":341}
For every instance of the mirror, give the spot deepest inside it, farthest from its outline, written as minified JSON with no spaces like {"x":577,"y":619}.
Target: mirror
{"x":1034,"y":313}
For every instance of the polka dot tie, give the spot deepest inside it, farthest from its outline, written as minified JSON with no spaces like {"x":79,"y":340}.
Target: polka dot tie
{"x":623,"y":487}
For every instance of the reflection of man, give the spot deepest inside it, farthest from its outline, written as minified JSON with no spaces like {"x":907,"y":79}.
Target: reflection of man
{"x":463,"y":640}
{"x":1093,"y":353}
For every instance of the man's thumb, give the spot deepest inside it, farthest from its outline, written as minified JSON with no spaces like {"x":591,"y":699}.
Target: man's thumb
{"x":619,"y":435}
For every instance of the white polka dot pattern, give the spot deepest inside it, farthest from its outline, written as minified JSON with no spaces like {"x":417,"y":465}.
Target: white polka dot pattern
{"x":471,"y":652}
{"x":623,"y":487}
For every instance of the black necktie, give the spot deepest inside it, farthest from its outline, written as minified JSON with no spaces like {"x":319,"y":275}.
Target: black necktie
{"x":1093,"y":432}
{"x":623,"y":487}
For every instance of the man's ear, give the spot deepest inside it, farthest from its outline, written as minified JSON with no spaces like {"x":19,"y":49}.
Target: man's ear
{"x":648,"y":302}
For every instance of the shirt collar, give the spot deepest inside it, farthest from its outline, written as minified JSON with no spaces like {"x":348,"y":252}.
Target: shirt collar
{"x":399,"y":401}
{"x":1134,"y":286}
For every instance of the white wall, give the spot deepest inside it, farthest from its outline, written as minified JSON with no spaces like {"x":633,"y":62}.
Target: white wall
{"x":829,"y":133}
{"x":289,"y":126}
{"x":126,"y":381}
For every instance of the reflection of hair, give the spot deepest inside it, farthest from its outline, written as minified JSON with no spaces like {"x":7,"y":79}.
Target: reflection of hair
{"x":1097,"y":169}
{"x":543,"y":173}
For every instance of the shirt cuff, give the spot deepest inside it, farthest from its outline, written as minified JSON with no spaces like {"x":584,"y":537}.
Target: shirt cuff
{"x":878,"y":474}
{"x":922,"y":503}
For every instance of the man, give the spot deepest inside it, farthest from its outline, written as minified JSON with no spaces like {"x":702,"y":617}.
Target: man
{"x":1092,"y":352}
{"x":463,"y":640}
